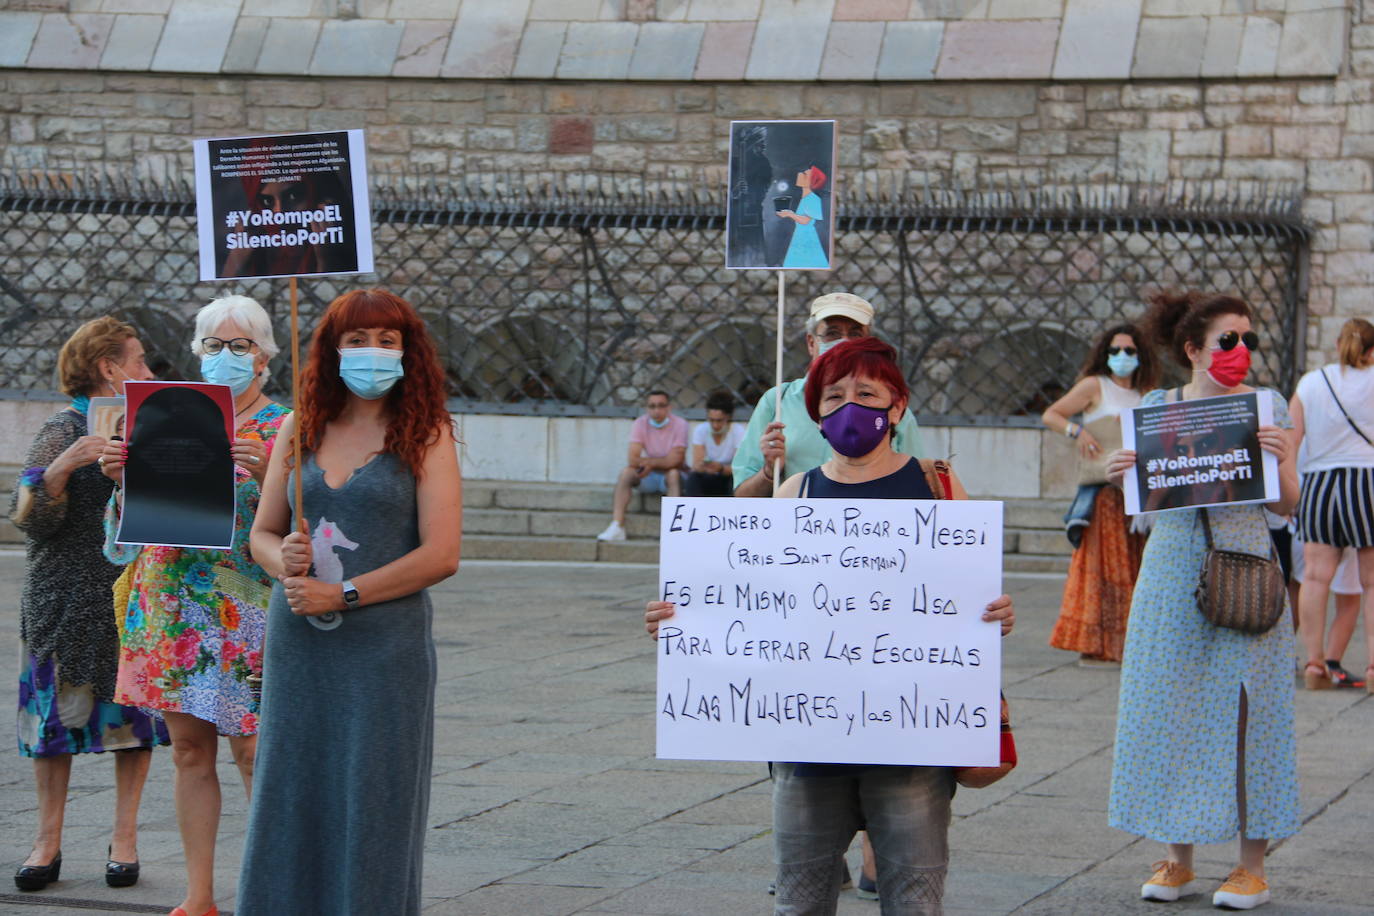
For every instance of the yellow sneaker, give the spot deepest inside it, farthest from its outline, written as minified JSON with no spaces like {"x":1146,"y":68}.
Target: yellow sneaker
{"x":1242,"y":891}
{"x":1167,"y":883}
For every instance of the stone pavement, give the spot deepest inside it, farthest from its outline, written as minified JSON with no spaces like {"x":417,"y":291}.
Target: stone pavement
{"x":548,"y":800}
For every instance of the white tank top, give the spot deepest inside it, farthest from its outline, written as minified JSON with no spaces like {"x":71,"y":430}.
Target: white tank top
{"x":1114,"y":399}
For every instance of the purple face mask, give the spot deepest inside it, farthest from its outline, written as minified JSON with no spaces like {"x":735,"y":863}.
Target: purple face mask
{"x":854,"y":430}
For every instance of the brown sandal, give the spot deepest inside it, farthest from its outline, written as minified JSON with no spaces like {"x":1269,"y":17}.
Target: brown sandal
{"x":1315,"y":677}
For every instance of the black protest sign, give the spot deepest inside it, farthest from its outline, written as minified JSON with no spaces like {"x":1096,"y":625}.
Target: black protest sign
{"x":179,"y":479}
{"x":283,"y":206}
{"x":1202,"y":452}
{"x":780,"y":212}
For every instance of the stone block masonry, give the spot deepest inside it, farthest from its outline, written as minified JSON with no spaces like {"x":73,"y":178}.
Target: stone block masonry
{"x":702,"y":40}
{"x":1318,"y":133}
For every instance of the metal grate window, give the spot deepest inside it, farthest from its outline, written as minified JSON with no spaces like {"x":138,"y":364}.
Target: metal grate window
{"x":551,"y":297}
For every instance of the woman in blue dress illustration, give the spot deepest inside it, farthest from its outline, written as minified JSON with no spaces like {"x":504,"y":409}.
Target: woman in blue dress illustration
{"x":805,"y":250}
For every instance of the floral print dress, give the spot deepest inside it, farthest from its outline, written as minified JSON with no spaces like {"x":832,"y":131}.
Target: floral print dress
{"x":193,"y":627}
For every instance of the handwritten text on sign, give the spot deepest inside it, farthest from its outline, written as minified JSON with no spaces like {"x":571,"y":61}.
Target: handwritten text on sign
{"x":830,"y":631}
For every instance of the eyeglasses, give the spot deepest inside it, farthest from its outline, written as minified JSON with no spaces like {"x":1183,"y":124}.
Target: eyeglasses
{"x":1229,"y":339}
{"x":832,"y":334}
{"x":239,"y":346}
{"x":1129,"y":351}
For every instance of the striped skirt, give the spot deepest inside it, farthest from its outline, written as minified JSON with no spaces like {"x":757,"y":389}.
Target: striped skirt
{"x":1337,"y":507}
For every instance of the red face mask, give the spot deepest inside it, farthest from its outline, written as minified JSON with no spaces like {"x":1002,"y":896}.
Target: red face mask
{"x":1230,"y":366}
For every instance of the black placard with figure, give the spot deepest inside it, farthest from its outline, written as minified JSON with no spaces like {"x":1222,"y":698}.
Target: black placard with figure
{"x":179,"y":478}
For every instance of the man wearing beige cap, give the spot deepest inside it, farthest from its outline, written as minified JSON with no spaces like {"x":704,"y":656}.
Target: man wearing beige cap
{"x":794,"y":436}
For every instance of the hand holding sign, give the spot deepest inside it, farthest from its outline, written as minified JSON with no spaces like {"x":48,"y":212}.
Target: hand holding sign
{"x":840,"y":631}
{"x":1201,"y":452}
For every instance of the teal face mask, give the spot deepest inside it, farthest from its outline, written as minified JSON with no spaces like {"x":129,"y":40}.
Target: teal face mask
{"x":229,"y":368}
{"x":1122,"y":364}
{"x":370,"y":372}
{"x":658,"y":424}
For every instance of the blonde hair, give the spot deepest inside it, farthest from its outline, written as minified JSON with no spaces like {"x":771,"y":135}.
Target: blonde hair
{"x":78,"y":362}
{"x":1357,"y":336}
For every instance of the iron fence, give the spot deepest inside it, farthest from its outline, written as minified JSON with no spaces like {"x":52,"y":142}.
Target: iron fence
{"x":552,"y":296}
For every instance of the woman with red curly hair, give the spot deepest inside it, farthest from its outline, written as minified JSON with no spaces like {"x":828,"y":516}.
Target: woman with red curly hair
{"x":342,"y":786}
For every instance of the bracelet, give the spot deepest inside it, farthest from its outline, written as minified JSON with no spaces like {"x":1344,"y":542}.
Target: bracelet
{"x":1072,"y":429}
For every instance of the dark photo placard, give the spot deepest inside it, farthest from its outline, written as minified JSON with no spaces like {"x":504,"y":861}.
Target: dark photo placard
{"x":179,"y":480}
{"x":1203,"y":452}
{"x":283,"y":206}
{"x":780,"y":212}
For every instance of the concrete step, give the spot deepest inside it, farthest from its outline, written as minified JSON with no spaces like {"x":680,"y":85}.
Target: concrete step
{"x":1034,"y":563}
{"x":551,"y":549}
{"x":482,"y":494}
{"x":1036,"y":513}
{"x":1040,"y":541}
{"x":645,"y":550}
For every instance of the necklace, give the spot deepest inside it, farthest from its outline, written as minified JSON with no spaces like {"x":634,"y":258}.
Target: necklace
{"x":239,"y":413}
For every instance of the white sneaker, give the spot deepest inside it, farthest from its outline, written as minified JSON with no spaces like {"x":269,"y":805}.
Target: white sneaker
{"x":614,"y":532}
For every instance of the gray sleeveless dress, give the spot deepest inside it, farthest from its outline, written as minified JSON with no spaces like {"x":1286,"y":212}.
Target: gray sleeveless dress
{"x":341,"y":784}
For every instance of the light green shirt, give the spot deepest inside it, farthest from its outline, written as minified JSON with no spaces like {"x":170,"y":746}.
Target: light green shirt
{"x":806,"y":449}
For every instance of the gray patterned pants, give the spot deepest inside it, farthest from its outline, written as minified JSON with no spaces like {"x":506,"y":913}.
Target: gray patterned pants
{"x":906,"y":811}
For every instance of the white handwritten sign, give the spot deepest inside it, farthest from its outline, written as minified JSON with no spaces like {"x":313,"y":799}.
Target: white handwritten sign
{"x":830,"y":631}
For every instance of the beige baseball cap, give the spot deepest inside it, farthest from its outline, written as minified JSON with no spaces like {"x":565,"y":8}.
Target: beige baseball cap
{"x":843,"y":305}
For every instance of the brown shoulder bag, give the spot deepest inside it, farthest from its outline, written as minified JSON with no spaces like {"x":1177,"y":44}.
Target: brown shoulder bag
{"x":1239,"y":591}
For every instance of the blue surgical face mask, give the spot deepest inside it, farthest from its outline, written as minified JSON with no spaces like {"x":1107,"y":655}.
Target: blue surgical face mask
{"x":1122,"y":364}
{"x":658,"y":424}
{"x":823,"y":345}
{"x":370,"y":372}
{"x":229,"y":368}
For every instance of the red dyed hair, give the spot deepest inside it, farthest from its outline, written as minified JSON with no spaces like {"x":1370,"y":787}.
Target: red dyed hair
{"x":864,"y":357}
{"x":817,"y":178}
{"x":416,"y":413}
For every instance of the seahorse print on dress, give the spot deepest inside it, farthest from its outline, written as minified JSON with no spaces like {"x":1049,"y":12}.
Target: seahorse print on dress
{"x":327,"y":536}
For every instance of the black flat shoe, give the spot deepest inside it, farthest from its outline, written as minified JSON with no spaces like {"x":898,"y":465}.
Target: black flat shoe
{"x":120,"y":874}
{"x":37,"y":877}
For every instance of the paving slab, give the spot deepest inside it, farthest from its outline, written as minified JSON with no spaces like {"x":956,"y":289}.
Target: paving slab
{"x":548,"y":800}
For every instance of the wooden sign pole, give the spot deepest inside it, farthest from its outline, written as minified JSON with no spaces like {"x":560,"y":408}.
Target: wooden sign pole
{"x":777,"y":376}
{"x":301,"y":526}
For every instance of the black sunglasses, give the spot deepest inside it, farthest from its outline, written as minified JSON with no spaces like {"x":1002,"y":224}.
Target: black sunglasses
{"x":1129,"y":351}
{"x":1229,"y":339}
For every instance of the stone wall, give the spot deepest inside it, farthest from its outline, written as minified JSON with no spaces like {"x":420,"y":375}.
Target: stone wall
{"x":1316,"y":133}
{"x":702,"y":40}
{"x":1041,"y":92}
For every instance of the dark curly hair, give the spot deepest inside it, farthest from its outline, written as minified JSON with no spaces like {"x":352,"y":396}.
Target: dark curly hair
{"x":1146,"y":375}
{"x":1178,"y":318}
{"x":721,"y":400}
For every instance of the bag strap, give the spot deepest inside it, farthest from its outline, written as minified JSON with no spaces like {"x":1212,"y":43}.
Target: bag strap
{"x":1207,"y":533}
{"x":938,"y":479}
{"x":805,"y":485}
{"x":1359,"y":432}
{"x":942,"y":473}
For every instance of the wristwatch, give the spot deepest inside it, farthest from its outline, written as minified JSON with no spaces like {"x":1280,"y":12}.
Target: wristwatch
{"x":350,"y":595}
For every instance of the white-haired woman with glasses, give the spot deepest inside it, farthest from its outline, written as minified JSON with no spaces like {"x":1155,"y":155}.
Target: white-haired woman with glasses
{"x":191,"y":645}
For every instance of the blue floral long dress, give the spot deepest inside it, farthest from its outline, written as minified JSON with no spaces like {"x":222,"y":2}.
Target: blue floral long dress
{"x":1174,"y":771}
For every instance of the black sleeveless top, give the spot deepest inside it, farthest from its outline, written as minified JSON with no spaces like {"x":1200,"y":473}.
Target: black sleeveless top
{"x":907,"y":482}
